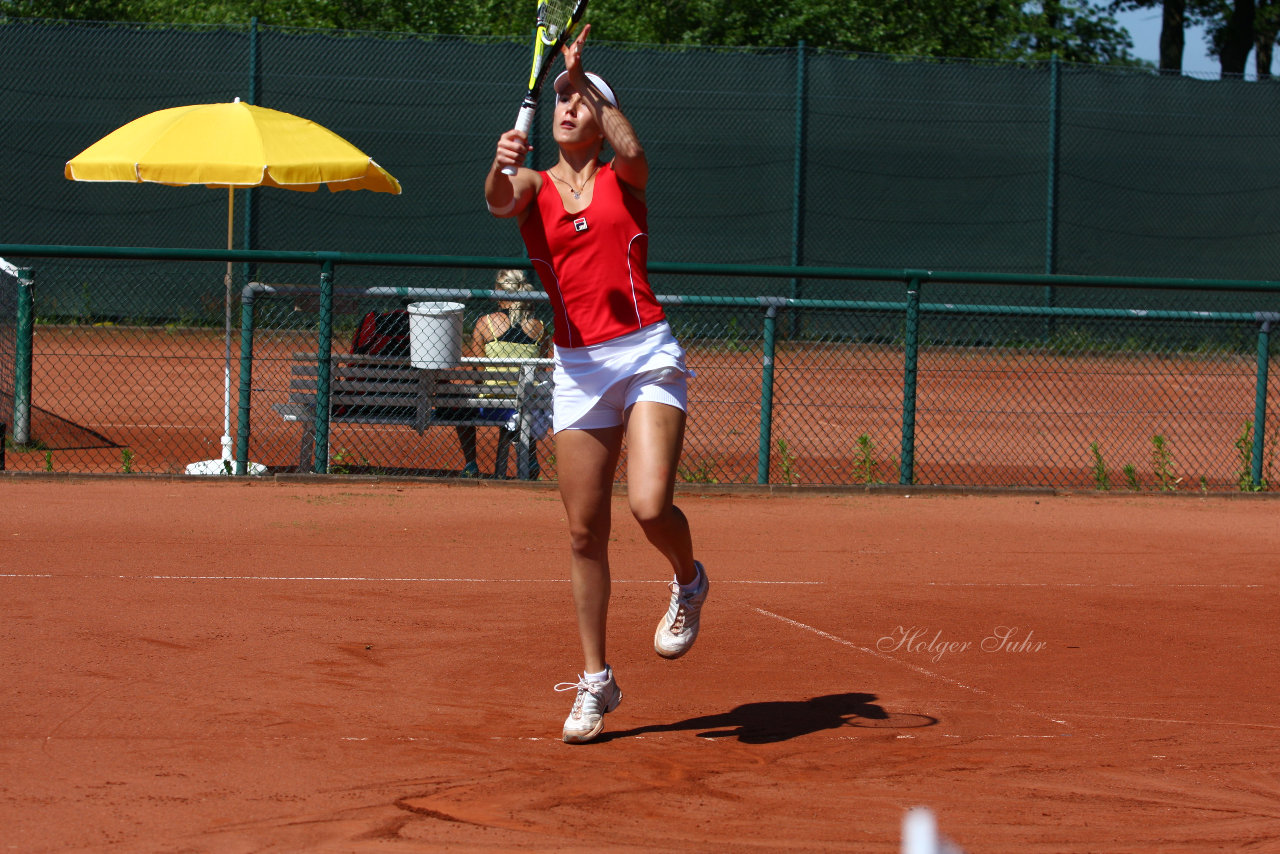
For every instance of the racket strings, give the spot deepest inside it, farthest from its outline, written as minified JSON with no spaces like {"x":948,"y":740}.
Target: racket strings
{"x":554,"y":18}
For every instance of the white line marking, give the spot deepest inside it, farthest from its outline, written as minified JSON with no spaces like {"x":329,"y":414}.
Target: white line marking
{"x":1214,"y":723}
{"x":374,"y":580}
{"x":1079,"y":584}
{"x":350,"y":578}
{"x":921,"y":670}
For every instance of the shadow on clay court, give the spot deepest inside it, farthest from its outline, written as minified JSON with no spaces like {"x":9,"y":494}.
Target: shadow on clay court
{"x":780,"y":720}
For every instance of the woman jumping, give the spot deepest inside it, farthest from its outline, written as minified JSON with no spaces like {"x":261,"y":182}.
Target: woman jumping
{"x":619,"y":372}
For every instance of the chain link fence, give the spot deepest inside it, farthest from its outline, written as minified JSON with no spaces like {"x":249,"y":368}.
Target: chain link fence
{"x":763,"y":156}
{"x":899,"y":389}
{"x":783,"y":157}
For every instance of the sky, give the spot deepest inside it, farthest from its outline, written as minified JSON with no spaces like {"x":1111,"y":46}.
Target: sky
{"x":1144,"y":27}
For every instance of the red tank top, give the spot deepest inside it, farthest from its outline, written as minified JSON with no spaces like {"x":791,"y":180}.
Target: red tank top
{"x":594,"y":263}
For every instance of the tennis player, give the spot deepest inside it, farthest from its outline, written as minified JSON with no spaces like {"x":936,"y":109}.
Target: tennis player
{"x":619,"y":372}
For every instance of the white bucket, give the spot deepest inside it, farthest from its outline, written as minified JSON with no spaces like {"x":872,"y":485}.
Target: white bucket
{"x":435,"y":334}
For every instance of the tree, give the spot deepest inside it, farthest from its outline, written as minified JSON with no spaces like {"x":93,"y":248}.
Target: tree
{"x":1266,"y":26}
{"x":1233,"y":40}
{"x":1076,"y":30}
{"x":1234,"y":26}
{"x":1176,"y":15}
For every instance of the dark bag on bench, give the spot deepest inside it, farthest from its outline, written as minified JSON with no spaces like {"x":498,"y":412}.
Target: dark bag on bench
{"x":380,"y":333}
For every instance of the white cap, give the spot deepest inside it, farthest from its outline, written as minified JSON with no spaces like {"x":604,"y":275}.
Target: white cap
{"x":562,"y":83}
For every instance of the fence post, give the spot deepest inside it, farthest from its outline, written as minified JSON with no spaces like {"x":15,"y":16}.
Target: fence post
{"x":249,"y":234}
{"x":22,"y":358}
{"x":766,"y":393}
{"x":797,"y":182}
{"x":243,"y":408}
{"x":1260,"y":399}
{"x":324,"y":350}
{"x":1051,"y":190}
{"x":911,"y":347}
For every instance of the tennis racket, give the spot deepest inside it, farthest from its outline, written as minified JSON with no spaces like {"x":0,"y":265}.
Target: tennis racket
{"x":556,"y":20}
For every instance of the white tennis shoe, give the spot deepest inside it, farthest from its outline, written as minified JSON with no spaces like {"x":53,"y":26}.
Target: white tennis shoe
{"x":593,"y":702}
{"x":678,"y":628}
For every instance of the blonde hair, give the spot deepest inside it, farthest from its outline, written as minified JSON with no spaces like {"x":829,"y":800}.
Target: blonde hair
{"x":515,"y":282}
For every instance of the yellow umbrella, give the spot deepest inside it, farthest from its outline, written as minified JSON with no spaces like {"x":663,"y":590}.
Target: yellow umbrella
{"x":229,"y":145}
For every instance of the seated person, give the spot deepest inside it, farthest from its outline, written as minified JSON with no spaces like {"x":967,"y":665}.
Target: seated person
{"x":511,"y":332}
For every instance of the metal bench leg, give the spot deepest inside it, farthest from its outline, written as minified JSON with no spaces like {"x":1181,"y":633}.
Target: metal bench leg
{"x":526,"y":452}
{"x":307,"y":443}
{"x":504,"y":452}
{"x":307,"y":449}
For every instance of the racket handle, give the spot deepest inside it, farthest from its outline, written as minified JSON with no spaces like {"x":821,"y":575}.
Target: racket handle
{"x":524,"y":124}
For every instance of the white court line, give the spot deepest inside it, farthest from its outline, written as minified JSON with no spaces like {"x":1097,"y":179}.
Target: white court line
{"x":1084,"y":584}
{"x":924,"y":671}
{"x":376,"y":580}
{"x":1174,"y":721}
{"x":415,"y":580}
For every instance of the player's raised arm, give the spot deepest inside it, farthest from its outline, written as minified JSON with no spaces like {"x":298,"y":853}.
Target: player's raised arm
{"x":629,"y":160}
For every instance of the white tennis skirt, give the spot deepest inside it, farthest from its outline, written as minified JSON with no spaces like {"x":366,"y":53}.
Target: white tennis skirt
{"x":595,"y":384}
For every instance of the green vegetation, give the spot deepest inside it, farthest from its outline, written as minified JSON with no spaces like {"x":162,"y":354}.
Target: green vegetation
{"x":703,"y":471}
{"x":339,"y":462}
{"x":1131,"y":477}
{"x":786,"y":462}
{"x":1162,"y":464}
{"x":1075,"y":30}
{"x":1101,"y":477}
{"x":865,"y":467}
{"x":1244,"y":456}
{"x":1244,"y":452}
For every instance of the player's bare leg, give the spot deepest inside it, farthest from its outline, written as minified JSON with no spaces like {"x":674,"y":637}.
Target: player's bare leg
{"x":585,"y":462}
{"x":655,"y":435}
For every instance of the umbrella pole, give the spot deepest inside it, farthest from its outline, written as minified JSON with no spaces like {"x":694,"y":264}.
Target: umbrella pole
{"x":226,"y":374}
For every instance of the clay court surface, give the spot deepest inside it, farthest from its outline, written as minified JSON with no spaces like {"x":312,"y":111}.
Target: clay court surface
{"x":360,"y":666}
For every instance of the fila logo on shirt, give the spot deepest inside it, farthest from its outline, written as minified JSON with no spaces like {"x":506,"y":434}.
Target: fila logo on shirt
{"x":580,"y":224}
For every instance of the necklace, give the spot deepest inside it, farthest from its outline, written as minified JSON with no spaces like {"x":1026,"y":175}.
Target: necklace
{"x":577,"y":193}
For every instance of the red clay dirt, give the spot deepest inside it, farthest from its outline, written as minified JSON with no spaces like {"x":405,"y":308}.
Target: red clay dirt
{"x":358,"y":666}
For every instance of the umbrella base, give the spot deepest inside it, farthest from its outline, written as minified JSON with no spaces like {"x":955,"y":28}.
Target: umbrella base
{"x":223,"y":467}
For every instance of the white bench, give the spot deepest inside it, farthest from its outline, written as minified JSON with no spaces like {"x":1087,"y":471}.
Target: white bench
{"x":389,"y":390}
